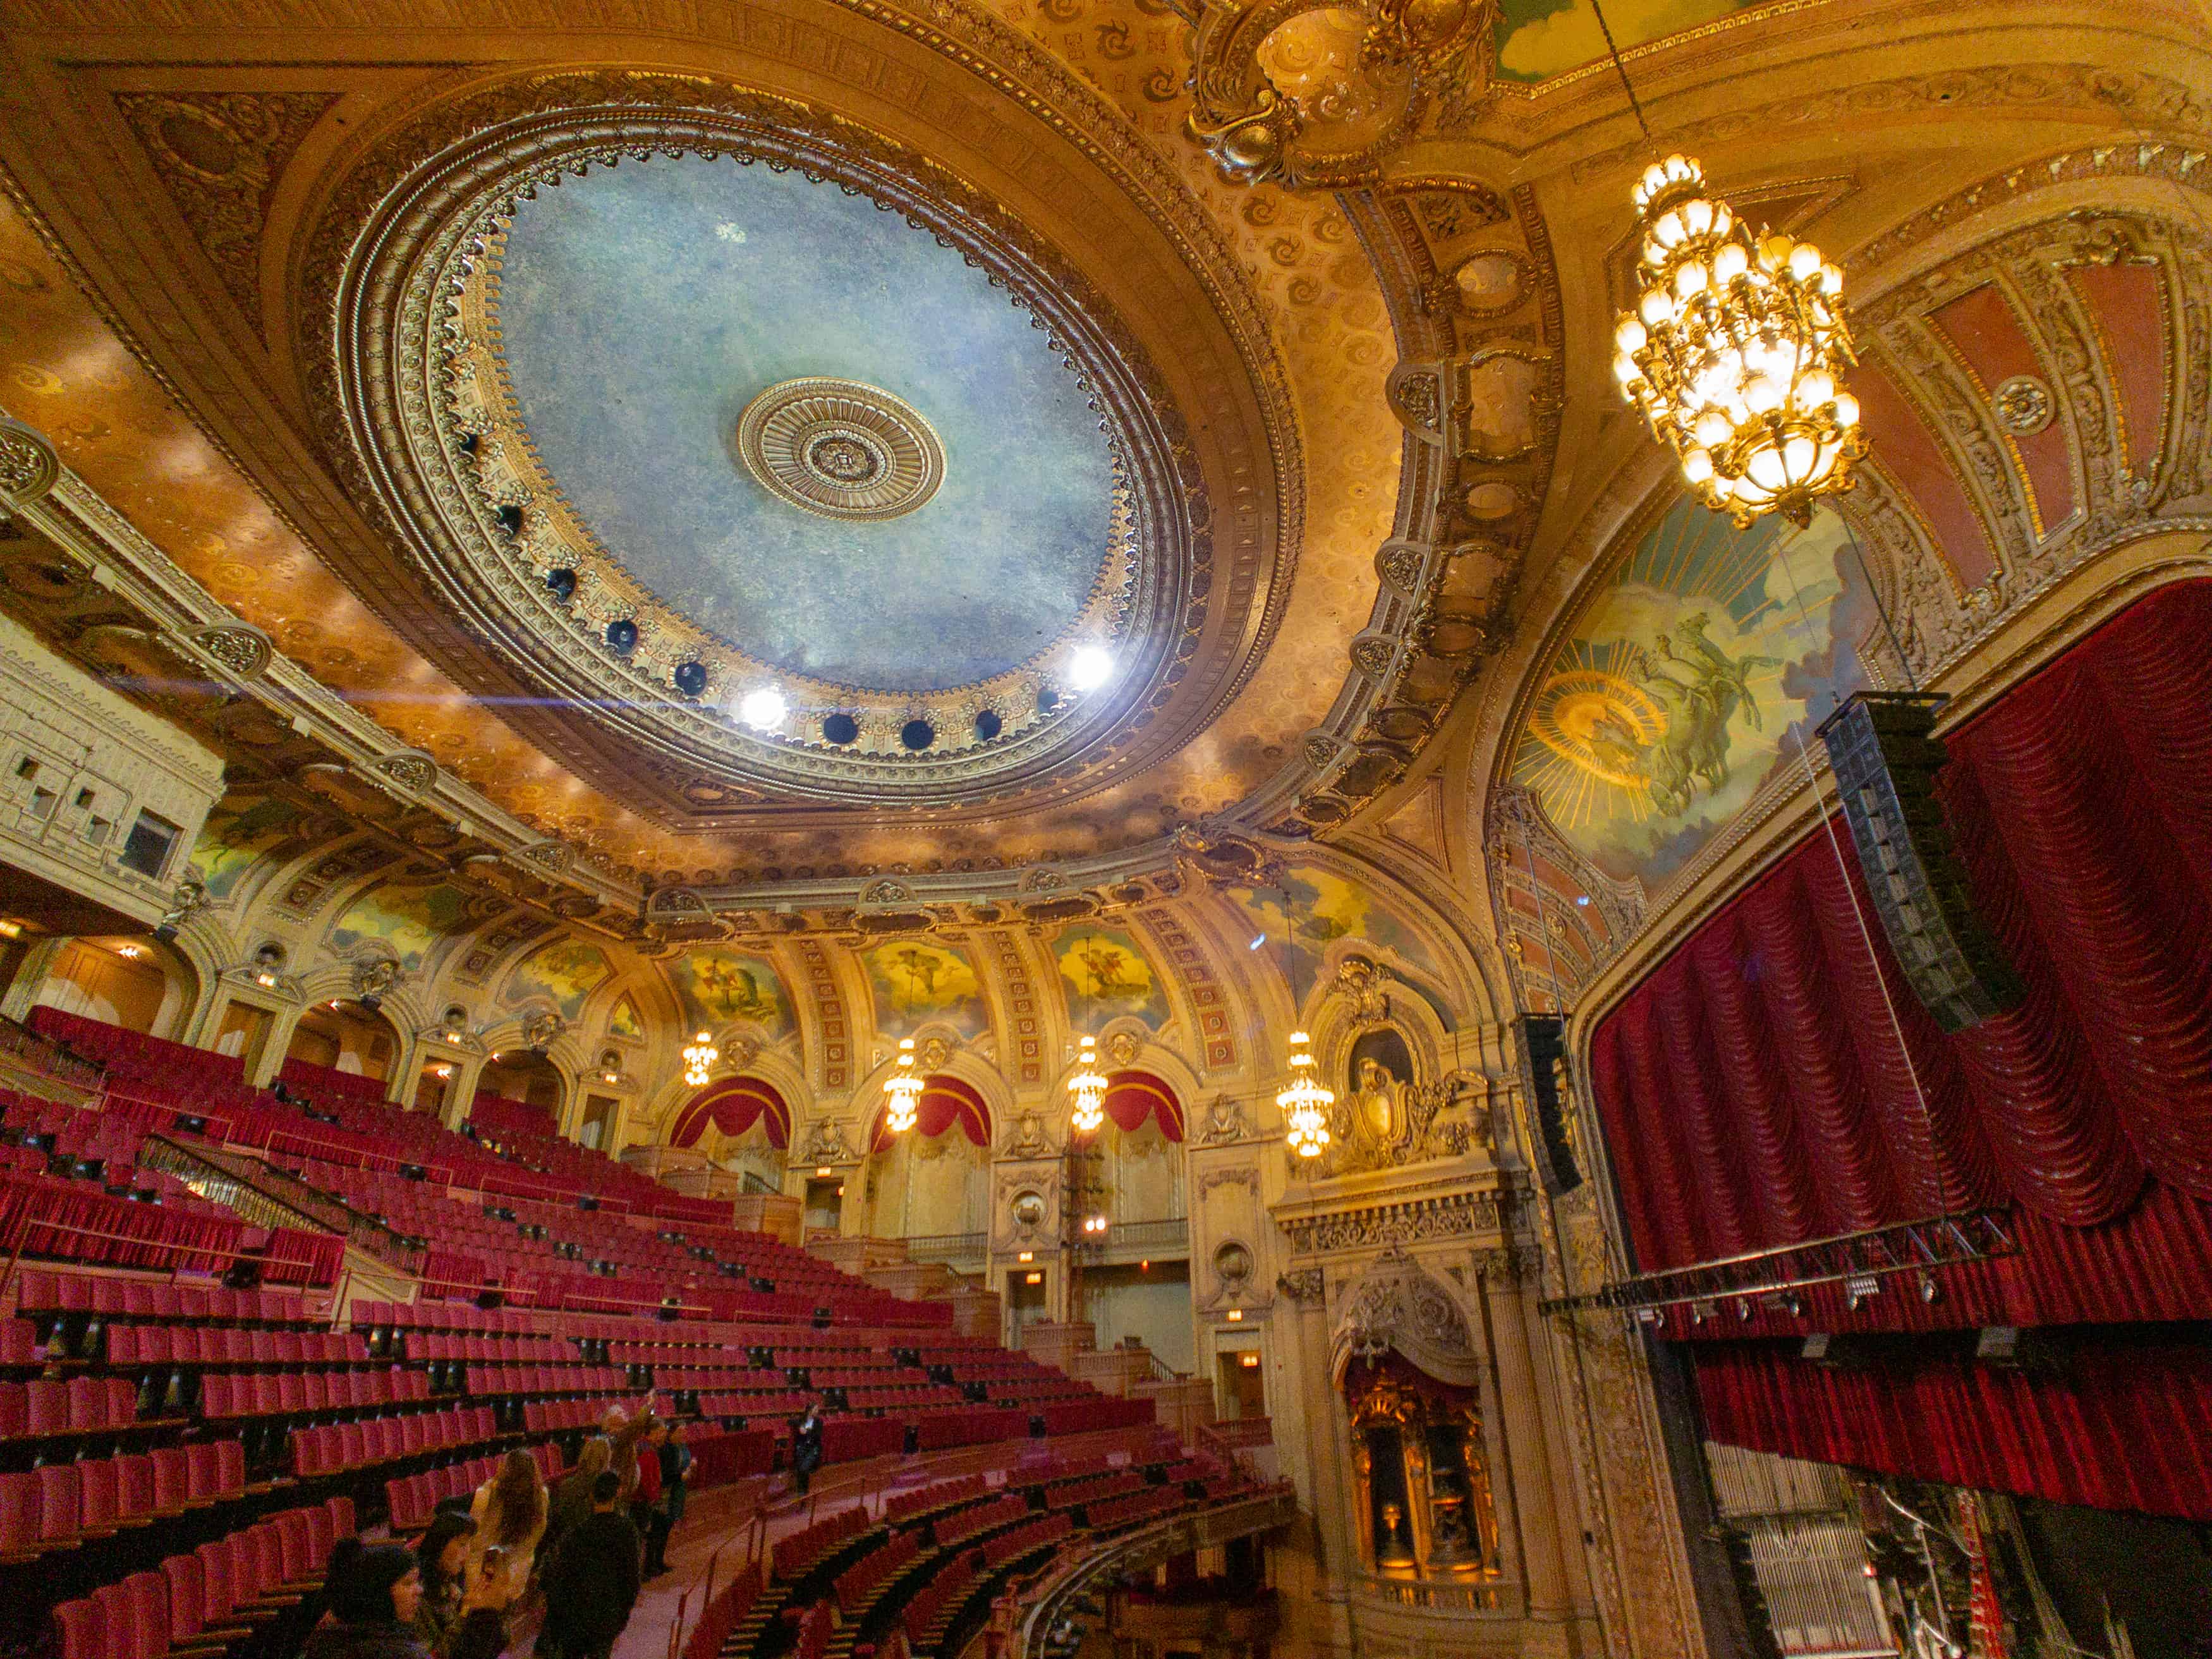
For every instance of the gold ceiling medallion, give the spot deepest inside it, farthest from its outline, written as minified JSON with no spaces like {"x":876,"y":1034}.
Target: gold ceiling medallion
{"x":1319,"y":96}
{"x":841,"y":448}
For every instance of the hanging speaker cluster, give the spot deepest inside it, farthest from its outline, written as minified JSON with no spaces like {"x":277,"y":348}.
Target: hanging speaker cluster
{"x":1540,"y":1041}
{"x":1887,"y":758}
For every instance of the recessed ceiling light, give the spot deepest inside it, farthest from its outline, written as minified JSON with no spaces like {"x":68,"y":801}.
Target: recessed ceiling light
{"x":763,"y":706}
{"x":1091,"y":667}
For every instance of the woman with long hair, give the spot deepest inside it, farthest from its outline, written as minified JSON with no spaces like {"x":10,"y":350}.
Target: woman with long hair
{"x":509,"y":1510}
{"x":454,"y":1619}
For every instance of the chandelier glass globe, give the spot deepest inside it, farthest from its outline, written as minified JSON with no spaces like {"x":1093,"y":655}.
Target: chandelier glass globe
{"x":1735,"y":351}
{"x":903,"y":1092}
{"x":1087,"y":1089}
{"x":699,"y":1058}
{"x":1305,"y":1101}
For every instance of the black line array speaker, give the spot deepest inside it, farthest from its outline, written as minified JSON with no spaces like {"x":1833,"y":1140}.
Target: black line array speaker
{"x":1886,"y":758}
{"x":1541,"y":1039}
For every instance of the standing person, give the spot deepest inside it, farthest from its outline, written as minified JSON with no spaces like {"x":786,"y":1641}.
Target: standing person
{"x":591,"y":1582}
{"x":454,"y":1619}
{"x":675,"y":1476}
{"x":570,"y":1504}
{"x":509,"y":1511}
{"x":645,"y":1495}
{"x":806,"y":1446}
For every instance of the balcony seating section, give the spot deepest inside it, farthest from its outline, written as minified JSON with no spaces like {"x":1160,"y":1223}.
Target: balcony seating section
{"x":413,"y":1499}
{"x":1127,"y":1511}
{"x":796,"y":1554}
{"x":924,"y":1501}
{"x":945,"y":1588}
{"x":71,"y":1188}
{"x":1074,"y":1494}
{"x":723,"y":1614}
{"x":856,"y":1585}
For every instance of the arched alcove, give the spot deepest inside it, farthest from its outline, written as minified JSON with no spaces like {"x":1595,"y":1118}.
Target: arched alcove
{"x":518,"y":1091}
{"x":340,"y":1035}
{"x":141,"y":984}
{"x":933,"y":1180}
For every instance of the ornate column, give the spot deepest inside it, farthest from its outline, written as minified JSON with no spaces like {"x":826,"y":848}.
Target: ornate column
{"x":1535,"y":1503}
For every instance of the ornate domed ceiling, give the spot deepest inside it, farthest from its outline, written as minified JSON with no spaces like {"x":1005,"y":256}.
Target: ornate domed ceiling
{"x":796,"y":438}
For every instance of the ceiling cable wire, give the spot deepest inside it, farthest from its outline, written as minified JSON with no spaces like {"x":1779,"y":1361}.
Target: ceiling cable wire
{"x":1621,"y":69}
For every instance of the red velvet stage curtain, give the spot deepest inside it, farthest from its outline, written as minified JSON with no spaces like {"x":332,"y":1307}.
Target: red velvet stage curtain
{"x":1132,"y":1097}
{"x":1752,"y":1087}
{"x":2119,"y":1430}
{"x":945,"y":1100}
{"x":733,"y":1106}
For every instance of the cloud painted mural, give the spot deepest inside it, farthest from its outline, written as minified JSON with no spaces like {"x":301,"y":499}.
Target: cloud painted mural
{"x":564,"y":973}
{"x":1316,"y":906}
{"x":1107,"y":976}
{"x":1539,"y":38}
{"x":236,"y":835}
{"x":916,"y":983}
{"x":718,"y":986}
{"x":410,"y":919}
{"x":1689,"y":680}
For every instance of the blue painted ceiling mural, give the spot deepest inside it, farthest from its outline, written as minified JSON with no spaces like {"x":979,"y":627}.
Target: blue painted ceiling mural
{"x":642,"y":307}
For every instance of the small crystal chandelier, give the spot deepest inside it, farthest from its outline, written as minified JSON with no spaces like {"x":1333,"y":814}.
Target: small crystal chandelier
{"x":1305,"y":1102}
{"x":903,"y":1092}
{"x":1733,"y":353}
{"x":1087,"y":1089}
{"x":699,"y":1058}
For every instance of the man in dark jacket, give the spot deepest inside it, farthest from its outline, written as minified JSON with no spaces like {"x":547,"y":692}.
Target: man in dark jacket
{"x":593,"y":1581}
{"x":806,"y":1446}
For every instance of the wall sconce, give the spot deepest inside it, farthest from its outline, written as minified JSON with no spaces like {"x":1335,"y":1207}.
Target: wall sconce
{"x":1032,"y":1279}
{"x":1235,"y":1314}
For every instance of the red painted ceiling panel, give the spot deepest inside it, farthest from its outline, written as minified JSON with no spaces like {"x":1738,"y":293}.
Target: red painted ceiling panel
{"x":2128,"y":304}
{"x":1900,"y":444}
{"x":1985,"y":335}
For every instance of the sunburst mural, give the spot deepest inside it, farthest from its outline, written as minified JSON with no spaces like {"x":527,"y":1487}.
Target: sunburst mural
{"x":1688,"y":679}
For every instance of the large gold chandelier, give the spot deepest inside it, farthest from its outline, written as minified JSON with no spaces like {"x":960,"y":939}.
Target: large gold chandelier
{"x":1305,"y":1102}
{"x":903,"y":1092}
{"x":1087,"y":1088}
{"x":1734,"y":352}
{"x":699,"y":1058}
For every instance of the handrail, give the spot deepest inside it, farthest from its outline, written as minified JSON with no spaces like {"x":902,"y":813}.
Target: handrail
{"x":213,"y":1253}
{"x":210,"y":1176}
{"x":333,"y":1214}
{"x":1173,"y":1536}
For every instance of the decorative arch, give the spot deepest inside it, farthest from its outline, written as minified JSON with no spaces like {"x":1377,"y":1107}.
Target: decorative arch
{"x":733,"y":1105}
{"x":946,"y":1101}
{"x":1132,"y":1096}
{"x":1400,"y":1306}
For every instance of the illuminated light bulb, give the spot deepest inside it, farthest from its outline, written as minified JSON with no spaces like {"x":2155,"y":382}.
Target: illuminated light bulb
{"x":1697,"y":465}
{"x":764,"y":709}
{"x":1729,"y":263}
{"x":1629,"y":335}
{"x":1305,"y":1102}
{"x":903,"y":1092}
{"x":699,"y":1058}
{"x":1091,"y":667}
{"x":1087,"y":1090}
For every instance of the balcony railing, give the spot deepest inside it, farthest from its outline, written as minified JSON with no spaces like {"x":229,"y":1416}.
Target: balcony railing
{"x":268,"y":1197}
{"x":1158,"y":1236}
{"x":947,"y":1247}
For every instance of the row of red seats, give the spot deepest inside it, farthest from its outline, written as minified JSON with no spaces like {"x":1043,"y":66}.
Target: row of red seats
{"x":1069,"y":1494}
{"x":962,"y":1524}
{"x":788,"y":1402}
{"x":858,"y":1582}
{"x":414,"y":1498}
{"x":337,"y":1448}
{"x":58,"y":1506}
{"x":210,"y":1598}
{"x":1099,"y":1412}
{"x":509,"y":1350}
{"x":948,"y":1584}
{"x":938,"y":1495}
{"x":723,"y":1614}
{"x":1144,"y":1506}
{"x":48,"y":1290}
{"x":793,"y":1556}
{"x":209,"y":1345}
{"x":555,"y":1416}
{"x":936,"y":1430}
{"x":1021,"y":1539}
{"x":285,"y":1394}
{"x":82,"y":1405}
{"x":544,"y":1379}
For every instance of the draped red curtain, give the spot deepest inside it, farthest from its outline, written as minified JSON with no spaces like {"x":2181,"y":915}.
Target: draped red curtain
{"x":946,"y":1101}
{"x":733,"y":1106}
{"x":1753,"y":1090}
{"x":1132,"y":1097}
{"x":2121,"y":1430}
